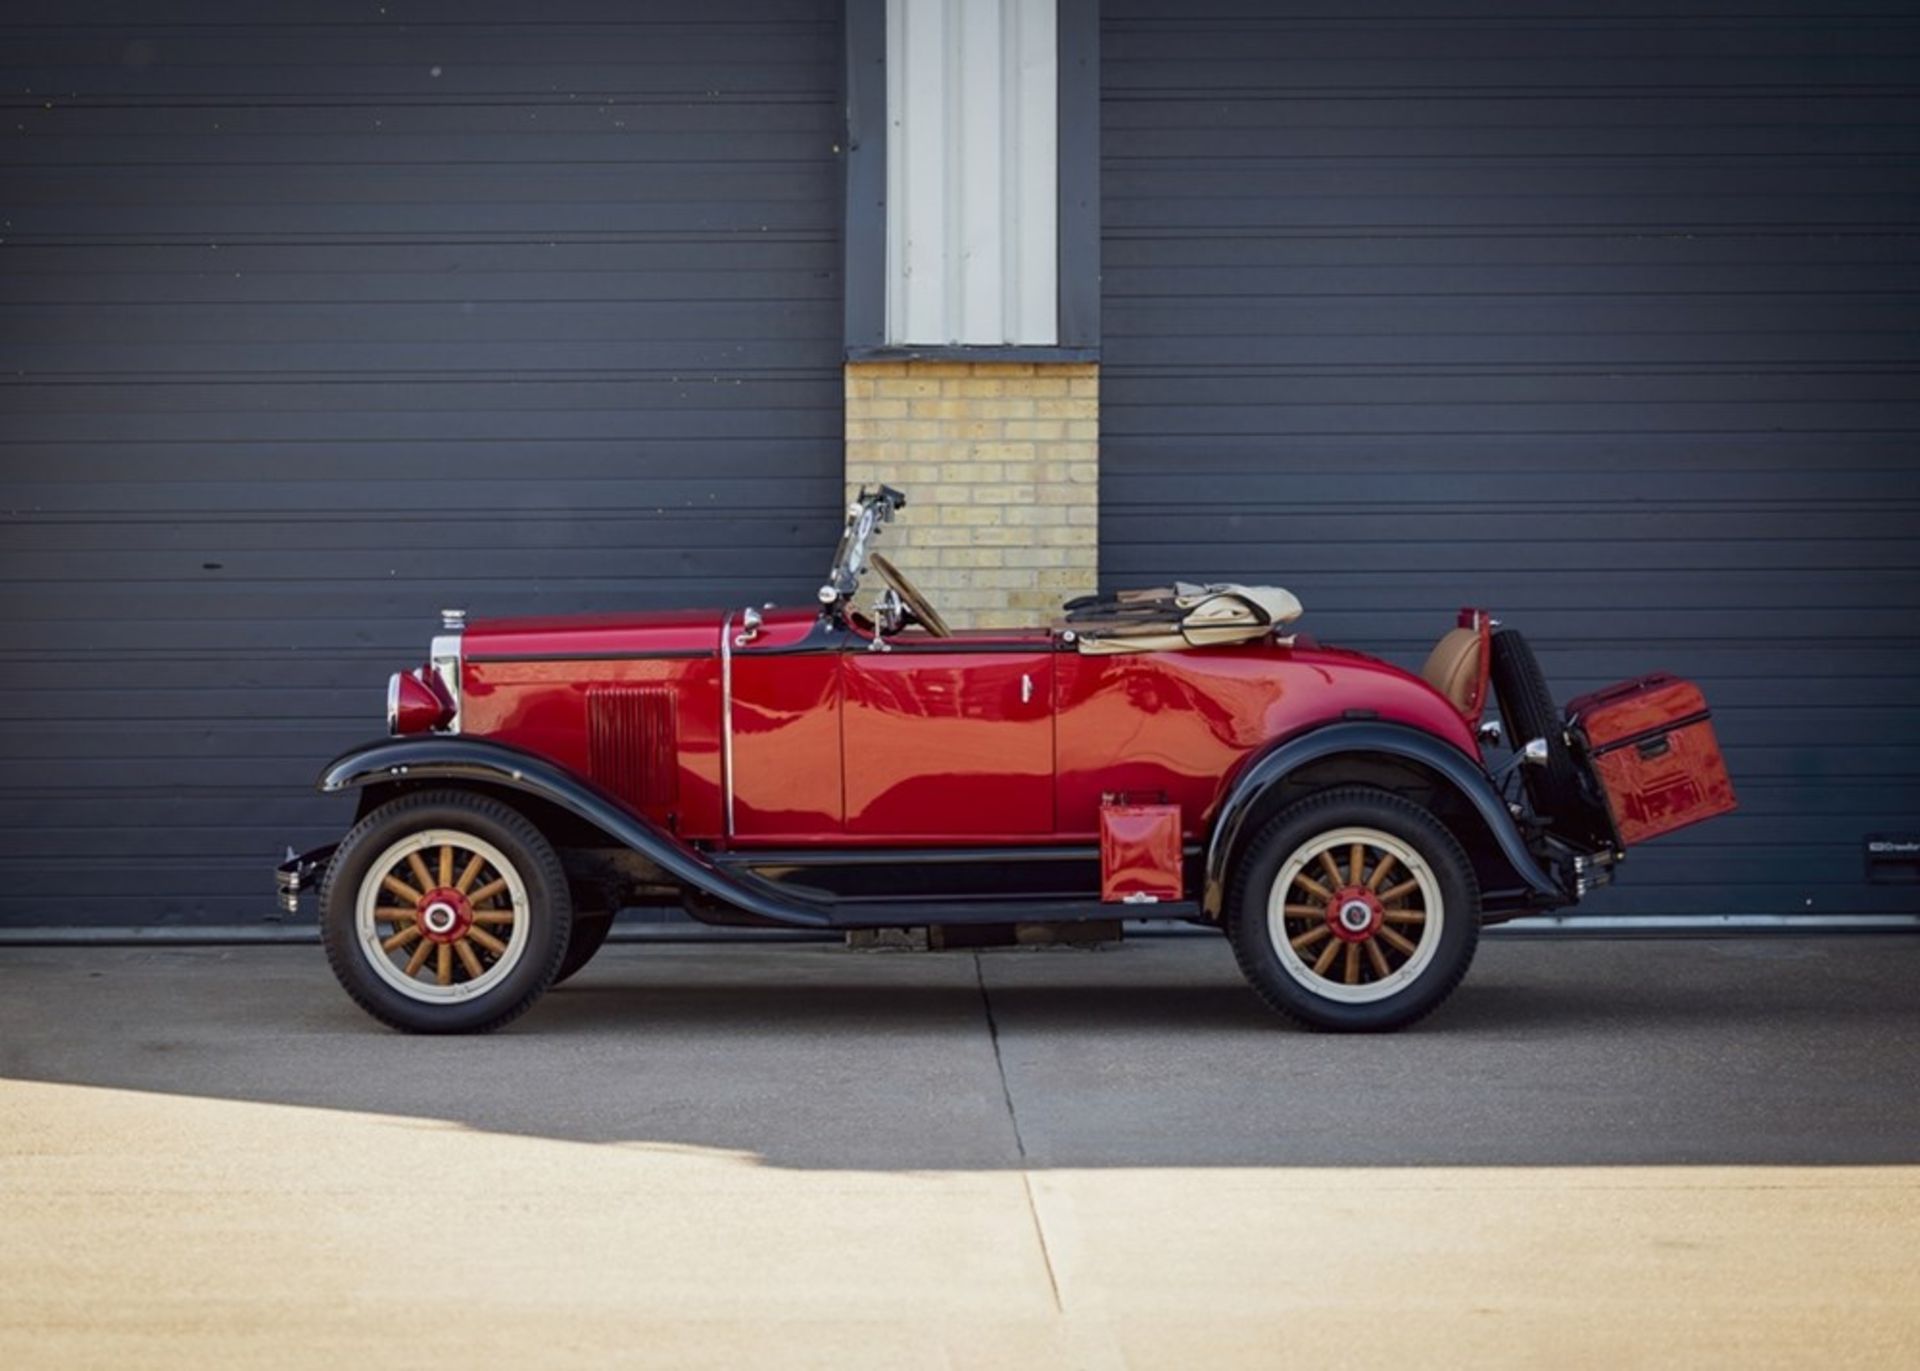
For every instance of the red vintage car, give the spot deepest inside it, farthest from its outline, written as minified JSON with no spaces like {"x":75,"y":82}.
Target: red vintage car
{"x":1174,"y":753}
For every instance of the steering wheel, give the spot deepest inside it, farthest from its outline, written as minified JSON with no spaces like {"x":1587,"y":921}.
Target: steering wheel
{"x":910,"y":595}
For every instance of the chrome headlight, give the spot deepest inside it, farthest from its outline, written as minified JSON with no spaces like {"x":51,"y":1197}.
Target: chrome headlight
{"x":413,"y":704}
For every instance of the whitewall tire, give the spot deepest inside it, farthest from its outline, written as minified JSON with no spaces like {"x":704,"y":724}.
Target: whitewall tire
{"x":1354,"y":910}
{"x":445,"y":911}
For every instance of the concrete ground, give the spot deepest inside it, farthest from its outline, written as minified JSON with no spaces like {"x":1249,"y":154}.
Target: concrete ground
{"x":1601,"y":1153}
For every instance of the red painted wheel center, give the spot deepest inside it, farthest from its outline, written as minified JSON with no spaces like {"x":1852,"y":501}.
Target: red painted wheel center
{"x":1354,"y":913}
{"x":444,"y":915}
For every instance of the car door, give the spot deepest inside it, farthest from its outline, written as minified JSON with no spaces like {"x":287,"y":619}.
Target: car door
{"x":944,"y":738}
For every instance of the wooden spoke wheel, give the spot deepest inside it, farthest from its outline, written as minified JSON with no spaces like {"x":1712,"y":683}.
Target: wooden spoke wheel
{"x":1354,"y":910}
{"x":445,"y":911}
{"x":442,"y":915}
{"x":1355,"y":914}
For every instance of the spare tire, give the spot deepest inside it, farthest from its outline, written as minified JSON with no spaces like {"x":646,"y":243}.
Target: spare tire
{"x":1528,"y":710}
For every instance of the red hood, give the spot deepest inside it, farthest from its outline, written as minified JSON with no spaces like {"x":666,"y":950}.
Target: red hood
{"x":667,"y":632}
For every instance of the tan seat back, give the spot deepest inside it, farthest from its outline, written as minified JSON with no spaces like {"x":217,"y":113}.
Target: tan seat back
{"x":1454,"y":668}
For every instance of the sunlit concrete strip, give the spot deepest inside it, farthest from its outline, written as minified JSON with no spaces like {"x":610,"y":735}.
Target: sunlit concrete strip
{"x":163,"y":1231}
{"x":178,"y":1231}
{"x":1501,"y":1266}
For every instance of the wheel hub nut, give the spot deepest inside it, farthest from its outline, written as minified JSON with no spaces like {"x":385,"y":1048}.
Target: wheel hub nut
{"x":444,"y":915}
{"x":1354,"y":913}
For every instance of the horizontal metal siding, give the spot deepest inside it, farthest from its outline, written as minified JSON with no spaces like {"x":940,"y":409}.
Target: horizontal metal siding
{"x":316,"y":322}
{"x":1610,"y":322}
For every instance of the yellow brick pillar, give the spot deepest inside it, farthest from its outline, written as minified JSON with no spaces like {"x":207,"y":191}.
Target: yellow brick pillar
{"x":1001,"y":468}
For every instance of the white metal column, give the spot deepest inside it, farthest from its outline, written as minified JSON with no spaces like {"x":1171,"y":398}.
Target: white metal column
{"x":972,"y":153}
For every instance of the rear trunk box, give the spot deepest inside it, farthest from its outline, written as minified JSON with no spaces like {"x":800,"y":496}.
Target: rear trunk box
{"x":1653,"y":751}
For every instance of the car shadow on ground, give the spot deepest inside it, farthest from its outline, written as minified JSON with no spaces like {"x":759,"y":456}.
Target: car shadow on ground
{"x":1570,"y":1052}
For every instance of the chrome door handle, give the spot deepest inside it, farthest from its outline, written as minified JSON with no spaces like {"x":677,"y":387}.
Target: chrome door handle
{"x":1026,"y":688}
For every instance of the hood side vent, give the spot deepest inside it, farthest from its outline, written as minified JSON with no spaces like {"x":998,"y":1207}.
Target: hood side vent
{"x":632,"y":743}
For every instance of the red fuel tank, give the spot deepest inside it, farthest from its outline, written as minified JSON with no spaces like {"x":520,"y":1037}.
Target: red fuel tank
{"x":1140,"y":852}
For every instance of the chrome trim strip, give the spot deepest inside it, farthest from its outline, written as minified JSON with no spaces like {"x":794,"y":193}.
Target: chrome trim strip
{"x":726,"y":716}
{"x":445,"y":655}
{"x":1629,"y":924}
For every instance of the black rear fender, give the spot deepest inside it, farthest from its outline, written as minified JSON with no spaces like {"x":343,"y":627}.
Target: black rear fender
{"x":1396,"y":758}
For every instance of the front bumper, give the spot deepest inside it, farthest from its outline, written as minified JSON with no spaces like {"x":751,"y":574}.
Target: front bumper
{"x":301,"y":871}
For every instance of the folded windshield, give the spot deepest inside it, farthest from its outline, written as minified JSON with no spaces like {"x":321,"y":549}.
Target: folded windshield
{"x":864,"y":517}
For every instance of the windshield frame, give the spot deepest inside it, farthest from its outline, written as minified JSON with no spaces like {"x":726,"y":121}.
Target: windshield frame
{"x":865,"y":515}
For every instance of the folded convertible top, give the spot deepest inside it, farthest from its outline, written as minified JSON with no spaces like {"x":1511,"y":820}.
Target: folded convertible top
{"x":1182,"y":615}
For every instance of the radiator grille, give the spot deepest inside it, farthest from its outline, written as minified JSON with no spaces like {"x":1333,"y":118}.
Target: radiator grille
{"x":631,"y":743}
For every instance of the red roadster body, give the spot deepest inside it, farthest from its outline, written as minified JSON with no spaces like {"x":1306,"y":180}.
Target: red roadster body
{"x":1166,"y":754}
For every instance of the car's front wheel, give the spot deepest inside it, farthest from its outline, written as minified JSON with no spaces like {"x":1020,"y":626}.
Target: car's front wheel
{"x":445,"y":912}
{"x":1354,"y":910}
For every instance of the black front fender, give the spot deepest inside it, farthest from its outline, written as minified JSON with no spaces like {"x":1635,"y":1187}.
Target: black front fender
{"x":1373,"y":738}
{"x":476,"y":761}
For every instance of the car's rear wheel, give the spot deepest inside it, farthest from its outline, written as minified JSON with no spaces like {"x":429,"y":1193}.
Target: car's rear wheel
{"x":445,"y":912}
{"x":1354,"y":910}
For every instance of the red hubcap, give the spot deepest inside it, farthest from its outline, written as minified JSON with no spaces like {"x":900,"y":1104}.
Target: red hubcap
{"x":444,"y":914}
{"x":1354,"y":913}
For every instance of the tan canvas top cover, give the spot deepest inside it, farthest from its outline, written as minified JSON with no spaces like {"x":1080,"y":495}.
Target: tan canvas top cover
{"x":1183,"y":615}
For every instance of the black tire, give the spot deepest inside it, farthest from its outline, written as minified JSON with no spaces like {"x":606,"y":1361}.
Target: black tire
{"x":517,"y":978}
{"x":1528,"y":710}
{"x":1417,"y":982}
{"x":589,"y":932}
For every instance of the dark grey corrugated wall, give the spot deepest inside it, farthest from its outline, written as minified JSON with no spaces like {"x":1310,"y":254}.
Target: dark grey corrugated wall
{"x":1611,"y":322}
{"x":319,"y":317}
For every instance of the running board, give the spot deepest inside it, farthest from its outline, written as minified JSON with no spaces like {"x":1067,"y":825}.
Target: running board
{"x":947,"y":913}
{"x":808,"y":880}
{"x":832,"y":877}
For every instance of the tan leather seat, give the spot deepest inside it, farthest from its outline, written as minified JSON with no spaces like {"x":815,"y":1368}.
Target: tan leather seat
{"x":1454,"y":669}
